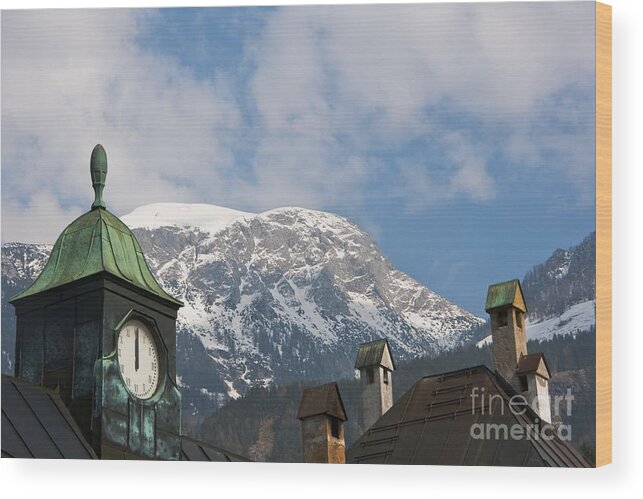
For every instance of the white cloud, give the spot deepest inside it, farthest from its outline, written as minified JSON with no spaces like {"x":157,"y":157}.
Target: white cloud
{"x":45,"y":221}
{"x":374,"y":76}
{"x":71,"y":79}
{"x":472,"y":177}
{"x":333,"y":87}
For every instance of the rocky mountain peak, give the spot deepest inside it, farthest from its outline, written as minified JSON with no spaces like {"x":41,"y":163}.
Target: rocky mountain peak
{"x":283,"y":295}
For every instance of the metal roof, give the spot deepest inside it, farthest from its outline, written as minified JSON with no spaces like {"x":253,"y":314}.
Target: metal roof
{"x":431,"y":424}
{"x":194,"y":450}
{"x":93,"y":243}
{"x":36,"y":424}
{"x":531,"y":362}
{"x":322,"y":399}
{"x":96,"y":242}
{"x":371,"y":353}
{"x":504,"y":293}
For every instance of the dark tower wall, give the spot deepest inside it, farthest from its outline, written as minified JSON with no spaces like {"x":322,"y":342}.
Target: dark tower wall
{"x":66,"y":340}
{"x":320,"y":444}
{"x":509,"y":340}
{"x":152,"y":427}
{"x":58,"y":340}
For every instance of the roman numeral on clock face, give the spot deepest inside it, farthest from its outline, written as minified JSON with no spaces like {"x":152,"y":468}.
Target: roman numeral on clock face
{"x":138,"y":358}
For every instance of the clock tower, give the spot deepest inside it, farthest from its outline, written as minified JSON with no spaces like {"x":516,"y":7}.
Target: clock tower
{"x":98,"y":328}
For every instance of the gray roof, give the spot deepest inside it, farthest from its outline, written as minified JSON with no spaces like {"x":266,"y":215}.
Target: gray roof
{"x":36,"y":424}
{"x":322,"y":399}
{"x":370,"y":354}
{"x":194,"y":450}
{"x":529,"y":363}
{"x":431,"y":424}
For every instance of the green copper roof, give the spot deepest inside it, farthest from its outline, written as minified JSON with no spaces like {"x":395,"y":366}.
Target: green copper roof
{"x":371,"y":353}
{"x":505,"y":293}
{"x":96,"y":242}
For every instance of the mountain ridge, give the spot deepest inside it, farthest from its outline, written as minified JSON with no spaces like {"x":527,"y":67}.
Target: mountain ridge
{"x":277,"y":296}
{"x":207,"y":217}
{"x":288,"y":294}
{"x":561,"y":293}
{"x":295,"y":289}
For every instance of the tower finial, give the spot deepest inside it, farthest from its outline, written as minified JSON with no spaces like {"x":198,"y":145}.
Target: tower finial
{"x":98,"y":169}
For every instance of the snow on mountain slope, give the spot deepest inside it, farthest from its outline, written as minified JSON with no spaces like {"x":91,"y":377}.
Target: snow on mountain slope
{"x":206,"y":217}
{"x":578,"y":318}
{"x":281,"y":296}
{"x":560,"y":293}
{"x":21,"y":264}
{"x":566,"y":278}
{"x":290,"y":293}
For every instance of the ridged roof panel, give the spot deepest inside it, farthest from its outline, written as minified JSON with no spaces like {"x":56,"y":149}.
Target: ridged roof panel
{"x":96,"y":242}
{"x":432,"y":423}
{"x":505,"y":293}
{"x":36,"y":424}
{"x":372,"y":353}
{"x":322,"y":399}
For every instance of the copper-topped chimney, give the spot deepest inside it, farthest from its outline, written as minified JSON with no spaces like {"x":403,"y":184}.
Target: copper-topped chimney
{"x":322,"y":416}
{"x":532,"y":376}
{"x":375,"y":363}
{"x":528,"y":374}
{"x":506,"y":306}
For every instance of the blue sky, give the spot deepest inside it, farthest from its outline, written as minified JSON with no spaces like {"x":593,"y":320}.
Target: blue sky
{"x":461,"y":136}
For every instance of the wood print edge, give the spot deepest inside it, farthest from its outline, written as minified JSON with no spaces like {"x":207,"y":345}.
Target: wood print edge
{"x":603,"y":234}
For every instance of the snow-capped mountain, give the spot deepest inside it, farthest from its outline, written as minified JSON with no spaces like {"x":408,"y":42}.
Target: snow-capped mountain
{"x":289,"y":294}
{"x":21,"y":264}
{"x":561,"y":293}
{"x":277,"y":296}
{"x":576,"y":319}
{"x":566,"y":278}
{"x":205,"y":217}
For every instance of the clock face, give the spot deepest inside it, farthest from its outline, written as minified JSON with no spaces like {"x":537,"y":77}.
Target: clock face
{"x":138,"y":360}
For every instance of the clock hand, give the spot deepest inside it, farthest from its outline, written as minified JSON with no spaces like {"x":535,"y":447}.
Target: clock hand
{"x":136,"y":357}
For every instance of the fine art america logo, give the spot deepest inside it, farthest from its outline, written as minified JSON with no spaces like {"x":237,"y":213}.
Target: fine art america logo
{"x":496,"y":404}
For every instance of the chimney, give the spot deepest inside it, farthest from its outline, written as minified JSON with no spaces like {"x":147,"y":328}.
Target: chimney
{"x":322,"y":416}
{"x":506,"y":306}
{"x":532,"y":375}
{"x":375,"y":364}
{"x":528,"y":374}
